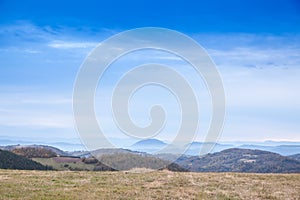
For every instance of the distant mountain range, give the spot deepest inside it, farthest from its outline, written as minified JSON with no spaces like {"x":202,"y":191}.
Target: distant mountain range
{"x":153,"y":145}
{"x":193,"y":149}
{"x":280,"y":149}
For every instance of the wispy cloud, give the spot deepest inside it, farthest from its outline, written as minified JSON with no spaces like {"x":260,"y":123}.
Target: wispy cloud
{"x":253,"y":51}
{"x":47,"y":101}
{"x":25,"y":33}
{"x":260,"y":75}
{"x":71,"y":45}
{"x":283,"y":57}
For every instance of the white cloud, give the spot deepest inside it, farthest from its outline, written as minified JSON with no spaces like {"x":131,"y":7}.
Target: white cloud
{"x":71,"y":45}
{"x":25,"y":33}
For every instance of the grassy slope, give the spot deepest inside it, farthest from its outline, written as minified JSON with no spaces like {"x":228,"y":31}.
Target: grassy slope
{"x":152,"y":185}
{"x":122,"y":161}
{"x":64,"y":165}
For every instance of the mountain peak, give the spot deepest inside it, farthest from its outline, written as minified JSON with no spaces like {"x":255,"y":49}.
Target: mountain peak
{"x":148,"y":145}
{"x":149,"y":142}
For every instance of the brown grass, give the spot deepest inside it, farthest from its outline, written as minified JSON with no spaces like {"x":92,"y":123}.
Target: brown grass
{"x":66,"y":159}
{"x":152,"y":185}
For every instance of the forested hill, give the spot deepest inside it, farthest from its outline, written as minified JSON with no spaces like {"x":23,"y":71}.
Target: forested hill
{"x":10,"y":160}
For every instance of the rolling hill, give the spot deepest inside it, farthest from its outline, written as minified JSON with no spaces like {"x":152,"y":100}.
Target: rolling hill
{"x":229,"y":160}
{"x":241,"y":160}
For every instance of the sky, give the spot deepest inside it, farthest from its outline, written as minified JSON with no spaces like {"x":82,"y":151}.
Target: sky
{"x":254,"y":44}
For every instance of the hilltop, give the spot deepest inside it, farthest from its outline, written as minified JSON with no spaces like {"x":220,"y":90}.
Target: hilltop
{"x":35,"y":150}
{"x":148,"y":145}
{"x":149,"y":142}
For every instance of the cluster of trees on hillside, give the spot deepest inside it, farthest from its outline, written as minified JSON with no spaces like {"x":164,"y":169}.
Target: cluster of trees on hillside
{"x":34,"y":152}
{"x":10,"y":160}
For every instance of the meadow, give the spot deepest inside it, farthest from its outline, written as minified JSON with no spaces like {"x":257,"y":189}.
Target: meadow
{"x":25,"y":184}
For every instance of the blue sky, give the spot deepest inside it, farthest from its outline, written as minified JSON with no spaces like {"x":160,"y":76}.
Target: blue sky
{"x":255,"y":45}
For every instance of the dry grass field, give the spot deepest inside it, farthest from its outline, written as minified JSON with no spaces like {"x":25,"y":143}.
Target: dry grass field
{"x":16,"y":184}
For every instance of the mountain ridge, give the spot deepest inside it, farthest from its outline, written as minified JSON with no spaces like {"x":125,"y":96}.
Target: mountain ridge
{"x":229,"y":160}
